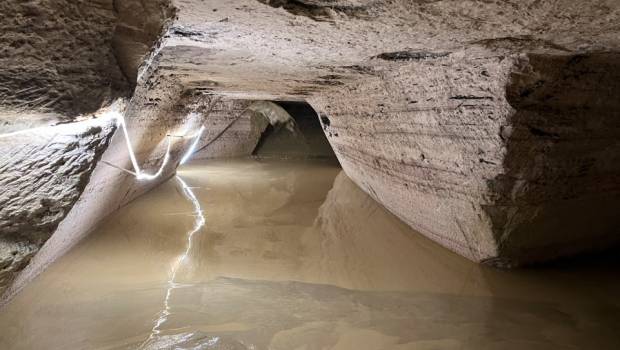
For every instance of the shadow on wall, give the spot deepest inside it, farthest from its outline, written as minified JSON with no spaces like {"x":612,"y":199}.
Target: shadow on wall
{"x":562,"y":177}
{"x":140,"y":24}
{"x":58,"y":58}
{"x":298,"y":135}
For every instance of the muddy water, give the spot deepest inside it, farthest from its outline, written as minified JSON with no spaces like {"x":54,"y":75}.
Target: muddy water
{"x":286,"y":255}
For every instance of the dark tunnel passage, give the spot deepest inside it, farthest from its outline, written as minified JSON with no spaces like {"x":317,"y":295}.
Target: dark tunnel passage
{"x":302,"y":138}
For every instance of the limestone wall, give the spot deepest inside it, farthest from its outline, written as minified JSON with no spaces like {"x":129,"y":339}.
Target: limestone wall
{"x":505,"y":160}
{"x":56,"y":58}
{"x":42,"y":173}
{"x":230,"y":129}
{"x":59,"y":74}
{"x":151,"y":117}
{"x":489,"y":127}
{"x":425,"y":145}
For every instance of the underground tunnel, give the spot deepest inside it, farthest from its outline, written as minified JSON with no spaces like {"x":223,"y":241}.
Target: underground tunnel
{"x":302,"y":137}
{"x":309,"y":174}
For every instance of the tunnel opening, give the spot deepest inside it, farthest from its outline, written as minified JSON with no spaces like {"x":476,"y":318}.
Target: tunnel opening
{"x":296,"y":135}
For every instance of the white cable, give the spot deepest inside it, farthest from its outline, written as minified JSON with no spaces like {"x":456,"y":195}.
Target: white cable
{"x":120,"y":122}
{"x":178,"y":263}
{"x":192,"y":148}
{"x":140,"y":175}
{"x":69,"y":128}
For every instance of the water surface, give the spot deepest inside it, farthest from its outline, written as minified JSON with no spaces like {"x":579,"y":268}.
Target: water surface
{"x":250,"y":254}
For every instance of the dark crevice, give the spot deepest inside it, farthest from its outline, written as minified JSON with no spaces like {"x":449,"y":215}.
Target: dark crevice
{"x":471,"y":97}
{"x":326,"y":122}
{"x":318,"y":10}
{"x":542,"y":133}
{"x":410,"y":55}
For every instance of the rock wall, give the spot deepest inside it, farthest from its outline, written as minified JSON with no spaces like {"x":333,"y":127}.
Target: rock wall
{"x":505,"y":160}
{"x":485,"y":126}
{"x":559,"y":190}
{"x":42,"y":173}
{"x":230,"y":129}
{"x":152,"y":120}
{"x":140,"y":25}
{"x":423,"y":146}
{"x":56,"y":58}
{"x":64,"y":58}
{"x":59,"y":67}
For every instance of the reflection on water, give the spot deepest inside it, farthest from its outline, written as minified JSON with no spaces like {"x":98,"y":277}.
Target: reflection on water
{"x":182,"y":261}
{"x":289,"y":255}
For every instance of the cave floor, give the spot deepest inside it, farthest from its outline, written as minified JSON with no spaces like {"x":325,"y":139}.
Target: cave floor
{"x":248,"y":254}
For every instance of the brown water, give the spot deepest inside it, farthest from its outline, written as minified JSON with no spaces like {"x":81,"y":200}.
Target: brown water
{"x":288,"y":255}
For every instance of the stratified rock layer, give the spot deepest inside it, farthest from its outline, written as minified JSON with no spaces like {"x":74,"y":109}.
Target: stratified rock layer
{"x":139,"y":26}
{"x":425,"y":149}
{"x":56,"y":56}
{"x":559,"y":189}
{"x":231,"y":130}
{"x":59,"y":66}
{"x":515,"y":164}
{"x":153,"y":122}
{"x":42,"y":174}
{"x":488,"y":127}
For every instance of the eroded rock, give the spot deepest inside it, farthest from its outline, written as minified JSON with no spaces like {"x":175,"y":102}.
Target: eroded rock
{"x":60,"y":64}
{"x":56,"y":57}
{"x":459,"y":117}
{"x":231,"y":129}
{"x":42,"y":174}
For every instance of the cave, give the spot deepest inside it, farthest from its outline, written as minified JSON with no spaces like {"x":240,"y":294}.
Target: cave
{"x":303,"y":138}
{"x":309,"y":174}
